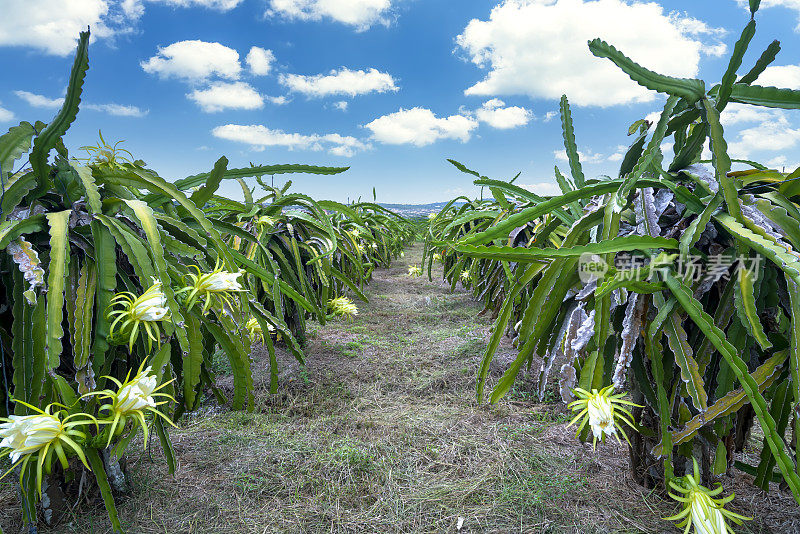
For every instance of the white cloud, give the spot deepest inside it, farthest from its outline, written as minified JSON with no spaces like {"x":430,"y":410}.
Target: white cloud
{"x":39,"y":101}
{"x":135,"y":8}
{"x":585,"y":157}
{"x":278,"y":100}
{"x":705,"y":155}
{"x":261,"y":137}
{"x":694,"y":26}
{"x":783,"y":164}
{"x":341,"y":82}
{"x":743,"y":113}
{"x":618,"y":155}
{"x":118,"y":110}
{"x":538,"y":48}
{"x":260,"y":61}
{"x":653,"y":116}
{"x":766,"y":136}
{"x":778,"y":161}
{"x":495,"y":114}
{"x":219,"y":5}
{"x":194,"y":61}
{"x":787,"y":76}
{"x":223,"y":95}
{"x":52,"y":26}
{"x":793,"y":5}
{"x":621,"y":150}
{"x":344,"y":146}
{"x":762,"y":130}
{"x":358,"y":13}
{"x":341,"y":105}
{"x":420,"y":127}
{"x":550,"y":115}
{"x":547,"y":189}
{"x":6,"y":115}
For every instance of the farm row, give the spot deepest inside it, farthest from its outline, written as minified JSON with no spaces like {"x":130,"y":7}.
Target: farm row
{"x":663,"y":304}
{"x":119,"y":288}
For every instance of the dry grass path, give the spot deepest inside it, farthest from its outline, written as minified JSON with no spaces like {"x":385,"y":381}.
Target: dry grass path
{"x":380,"y":433}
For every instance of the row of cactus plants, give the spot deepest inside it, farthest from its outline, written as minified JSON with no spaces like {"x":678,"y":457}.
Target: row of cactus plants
{"x":118,"y":287}
{"x":699,"y":359}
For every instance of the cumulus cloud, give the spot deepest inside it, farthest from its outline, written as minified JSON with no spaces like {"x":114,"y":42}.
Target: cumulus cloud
{"x":52,"y":26}
{"x":219,"y":5}
{"x":135,"y":8}
{"x":194,"y":61}
{"x":260,"y":61}
{"x":223,"y":95}
{"x":621,"y":150}
{"x":585,"y":157}
{"x":118,"y":110}
{"x":783,"y":164}
{"x":341,"y":105}
{"x":793,"y":5}
{"x":705,"y":155}
{"x":222,"y":5}
{"x":550,"y":115}
{"x":538,"y":48}
{"x":360,"y":14}
{"x":741,"y":113}
{"x":768,"y":136}
{"x":751,"y":130}
{"x":278,"y":100}
{"x":260,"y":137}
{"x":618,"y":155}
{"x":6,"y":115}
{"x":420,"y":127}
{"x":778,"y":161}
{"x":495,"y":113}
{"x":39,"y":101}
{"x":653,"y":116}
{"x":340,"y":82}
{"x":786,"y":76}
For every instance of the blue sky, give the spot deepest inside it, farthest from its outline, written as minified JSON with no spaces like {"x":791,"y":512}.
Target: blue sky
{"x":390,"y":88}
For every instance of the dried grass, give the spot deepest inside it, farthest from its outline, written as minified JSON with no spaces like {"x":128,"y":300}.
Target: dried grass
{"x":380,"y":433}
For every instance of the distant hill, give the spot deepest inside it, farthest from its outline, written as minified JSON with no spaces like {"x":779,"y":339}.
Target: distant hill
{"x":408,"y":210}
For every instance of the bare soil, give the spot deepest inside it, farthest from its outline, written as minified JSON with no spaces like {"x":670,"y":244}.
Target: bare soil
{"x":380,"y":432}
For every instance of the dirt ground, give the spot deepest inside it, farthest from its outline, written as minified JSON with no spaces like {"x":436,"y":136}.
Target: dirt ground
{"x":380,"y":432}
